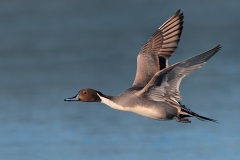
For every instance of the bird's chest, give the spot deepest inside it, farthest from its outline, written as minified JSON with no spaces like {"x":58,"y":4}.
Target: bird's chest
{"x":112,"y":104}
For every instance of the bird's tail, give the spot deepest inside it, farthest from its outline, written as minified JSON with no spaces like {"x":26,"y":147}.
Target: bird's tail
{"x":186,"y":112}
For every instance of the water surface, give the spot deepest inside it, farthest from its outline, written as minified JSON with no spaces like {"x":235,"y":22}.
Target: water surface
{"x":51,"y":49}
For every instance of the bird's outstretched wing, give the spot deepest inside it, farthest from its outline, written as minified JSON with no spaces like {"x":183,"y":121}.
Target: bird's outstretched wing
{"x":164,"y":86}
{"x":154,"y":55}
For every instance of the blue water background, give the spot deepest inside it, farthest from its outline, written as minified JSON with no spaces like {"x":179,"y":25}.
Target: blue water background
{"x":50,"y":49}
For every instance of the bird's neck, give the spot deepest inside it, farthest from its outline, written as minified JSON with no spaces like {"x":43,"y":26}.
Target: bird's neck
{"x":109,"y":101}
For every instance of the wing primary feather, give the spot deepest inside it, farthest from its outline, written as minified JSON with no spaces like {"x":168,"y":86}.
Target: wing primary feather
{"x":171,"y":18}
{"x":176,"y":24}
{"x":162,"y":43}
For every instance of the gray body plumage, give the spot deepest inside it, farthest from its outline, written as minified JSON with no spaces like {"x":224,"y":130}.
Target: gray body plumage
{"x":130,"y":102}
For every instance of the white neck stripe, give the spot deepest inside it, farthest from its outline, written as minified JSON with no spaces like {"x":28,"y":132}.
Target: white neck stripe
{"x":111,"y":103}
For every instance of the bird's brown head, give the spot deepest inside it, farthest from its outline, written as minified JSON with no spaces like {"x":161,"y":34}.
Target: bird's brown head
{"x":86,"y":95}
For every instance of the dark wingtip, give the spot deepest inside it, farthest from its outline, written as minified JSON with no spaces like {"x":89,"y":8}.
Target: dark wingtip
{"x":214,"y":50}
{"x":217,"y":47}
{"x":178,"y":11}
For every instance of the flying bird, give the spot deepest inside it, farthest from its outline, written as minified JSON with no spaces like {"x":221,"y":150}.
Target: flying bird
{"x":155,"y":91}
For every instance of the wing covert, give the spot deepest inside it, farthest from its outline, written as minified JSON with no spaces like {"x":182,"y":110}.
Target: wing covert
{"x":164,"y":86}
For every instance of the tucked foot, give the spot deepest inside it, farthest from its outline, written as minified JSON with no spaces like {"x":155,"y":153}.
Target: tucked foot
{"x":183,"y":120}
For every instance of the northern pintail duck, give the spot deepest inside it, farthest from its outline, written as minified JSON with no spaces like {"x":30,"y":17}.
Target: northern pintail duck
{"x":155,"y":90}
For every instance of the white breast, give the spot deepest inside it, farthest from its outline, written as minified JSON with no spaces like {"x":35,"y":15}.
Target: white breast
{"x":111,"y":103}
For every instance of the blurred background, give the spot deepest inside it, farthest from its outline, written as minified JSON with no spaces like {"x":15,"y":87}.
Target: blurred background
{"x":51,"y":49}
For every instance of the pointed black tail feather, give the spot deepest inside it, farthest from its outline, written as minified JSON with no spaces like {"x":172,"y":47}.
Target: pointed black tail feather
{"x":186,"y":112}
